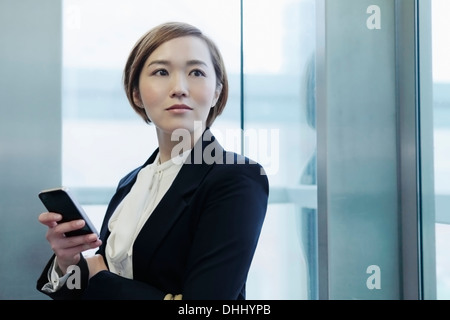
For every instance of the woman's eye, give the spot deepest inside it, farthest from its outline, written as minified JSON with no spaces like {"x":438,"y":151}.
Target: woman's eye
{"x":160,"y":72}
{"x":197,"y":73}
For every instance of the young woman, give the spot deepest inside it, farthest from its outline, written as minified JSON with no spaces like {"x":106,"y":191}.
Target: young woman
{"x":185,"y":224}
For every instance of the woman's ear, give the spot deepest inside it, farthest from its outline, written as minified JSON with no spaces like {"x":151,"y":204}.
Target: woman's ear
{"x":137,"y":99}
{"x":216,"y":95}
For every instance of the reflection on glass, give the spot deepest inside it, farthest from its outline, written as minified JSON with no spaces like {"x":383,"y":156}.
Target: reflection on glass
{"x":279,"y":96}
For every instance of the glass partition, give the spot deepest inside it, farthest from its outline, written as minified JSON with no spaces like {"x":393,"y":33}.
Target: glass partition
{"x":279,"y":107}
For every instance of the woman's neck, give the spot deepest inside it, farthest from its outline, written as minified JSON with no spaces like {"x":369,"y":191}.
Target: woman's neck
{"x":169,"y":148}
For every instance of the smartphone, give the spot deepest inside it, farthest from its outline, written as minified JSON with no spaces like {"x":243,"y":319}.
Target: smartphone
{"x":61,"y":201}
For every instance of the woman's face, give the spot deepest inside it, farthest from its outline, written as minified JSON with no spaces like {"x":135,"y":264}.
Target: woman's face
{"x":177,"y":85}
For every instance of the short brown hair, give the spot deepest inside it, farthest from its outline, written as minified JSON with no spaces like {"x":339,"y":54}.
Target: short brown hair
{"x":150,"y":41}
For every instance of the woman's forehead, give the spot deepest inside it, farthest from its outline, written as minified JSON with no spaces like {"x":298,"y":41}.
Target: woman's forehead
{"x":185,"y":48}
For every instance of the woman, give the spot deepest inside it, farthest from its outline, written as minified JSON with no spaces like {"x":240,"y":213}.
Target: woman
{"x":186,"y":223}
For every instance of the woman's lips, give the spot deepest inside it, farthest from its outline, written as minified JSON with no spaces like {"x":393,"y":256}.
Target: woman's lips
{"x":179,"y":108}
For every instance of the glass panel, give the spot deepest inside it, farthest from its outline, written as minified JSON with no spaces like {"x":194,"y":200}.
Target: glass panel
{"x":279,"y":132}
{"x":441,"y":110}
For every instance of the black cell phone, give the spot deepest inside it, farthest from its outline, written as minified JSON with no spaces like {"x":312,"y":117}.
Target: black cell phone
{"x":60,"y":200}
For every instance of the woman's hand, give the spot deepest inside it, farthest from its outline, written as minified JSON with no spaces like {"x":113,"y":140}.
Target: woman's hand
{"x":96,"y":264}
{"x":67,"y":249}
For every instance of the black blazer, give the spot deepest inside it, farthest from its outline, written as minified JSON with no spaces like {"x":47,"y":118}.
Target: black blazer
{"x":200,"y":239}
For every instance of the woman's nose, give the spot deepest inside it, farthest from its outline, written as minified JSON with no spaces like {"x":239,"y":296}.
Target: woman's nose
{"x":179,"y":87}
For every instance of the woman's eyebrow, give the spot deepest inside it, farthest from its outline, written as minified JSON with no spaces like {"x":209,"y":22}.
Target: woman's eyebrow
{"x":196,"y":62}
{"x":167,"y":62}
{"x":164,"y":62}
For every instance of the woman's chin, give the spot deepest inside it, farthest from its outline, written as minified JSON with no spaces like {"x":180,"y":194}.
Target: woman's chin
{"x":181,"y":128}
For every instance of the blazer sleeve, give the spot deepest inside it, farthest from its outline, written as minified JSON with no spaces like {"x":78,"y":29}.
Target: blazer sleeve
{"x":106,"y":285}
{"x":73,"y":292}
{"x":227,"y":233}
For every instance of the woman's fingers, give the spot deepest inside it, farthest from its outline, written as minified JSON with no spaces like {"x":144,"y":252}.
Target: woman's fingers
{"x":70,"y":246}
{"x":67,"y":249}
{"x":50,"y":219}
{"x":73,"y":244}
{"x":69,"y":226}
